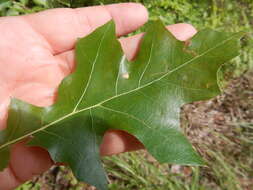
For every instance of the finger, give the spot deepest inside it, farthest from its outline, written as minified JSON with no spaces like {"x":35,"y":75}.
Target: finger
{"x":5,"y":100}
{"x":28,"y":161}
{"x":115,"y":142}
{"x":25,"y":162}
{"x":182,"y":32}
{"x":130,"y":45}
{"x":8,"y":180}
{"x":61,"y":27}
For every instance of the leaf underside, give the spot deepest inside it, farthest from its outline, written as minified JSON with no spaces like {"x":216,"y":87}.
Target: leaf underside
{"x":106,"y":91}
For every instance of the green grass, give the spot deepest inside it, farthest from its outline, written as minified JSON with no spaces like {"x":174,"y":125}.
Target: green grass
{"x":133,"y":171}
{"x":138,"y":171}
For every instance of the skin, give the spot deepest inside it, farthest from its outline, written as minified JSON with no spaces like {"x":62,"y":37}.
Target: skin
{"x":40,"y":44}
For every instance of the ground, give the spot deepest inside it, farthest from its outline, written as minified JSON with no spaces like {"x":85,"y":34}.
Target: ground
{"x":220,"y":129}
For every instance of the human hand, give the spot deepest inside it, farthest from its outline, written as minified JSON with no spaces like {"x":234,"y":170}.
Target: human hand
{"x":36,"y":53}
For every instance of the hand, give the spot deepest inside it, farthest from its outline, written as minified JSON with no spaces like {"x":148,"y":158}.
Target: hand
{"x":36,"y":53}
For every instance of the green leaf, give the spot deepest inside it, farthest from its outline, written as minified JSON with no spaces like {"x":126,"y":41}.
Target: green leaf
{"x":142,"y":97}
{"x":80,"y":3}
{"x":58,"y":3}
{"x":41,"y":2}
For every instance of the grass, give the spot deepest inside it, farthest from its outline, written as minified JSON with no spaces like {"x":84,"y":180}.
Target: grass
{"x":229,"y":157}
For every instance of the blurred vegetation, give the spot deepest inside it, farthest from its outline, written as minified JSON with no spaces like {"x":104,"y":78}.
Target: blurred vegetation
{"x":132,"y":171}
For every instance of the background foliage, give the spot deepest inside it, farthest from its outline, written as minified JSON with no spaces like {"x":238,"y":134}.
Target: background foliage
{"x":221,"y":129}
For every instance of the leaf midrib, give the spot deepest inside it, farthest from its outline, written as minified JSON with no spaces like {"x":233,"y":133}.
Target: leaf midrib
{"x":116,"y":96}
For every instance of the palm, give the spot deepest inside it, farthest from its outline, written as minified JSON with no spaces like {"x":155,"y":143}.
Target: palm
{"x":36,"y":53}
{"x":29,"y":69}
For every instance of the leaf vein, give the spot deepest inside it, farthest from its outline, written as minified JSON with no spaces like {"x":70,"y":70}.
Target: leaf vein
{"x":92,"y":69}
{"x":147,"y":65}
